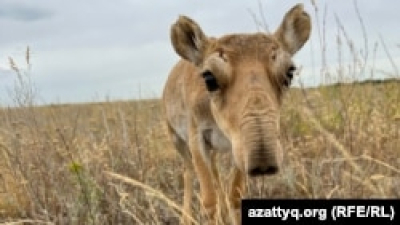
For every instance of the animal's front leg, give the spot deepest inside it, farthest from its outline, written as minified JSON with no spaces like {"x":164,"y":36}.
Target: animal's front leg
{"x":207,"y":190}
{"x":236,"y":193}
{"x":205,"y":176}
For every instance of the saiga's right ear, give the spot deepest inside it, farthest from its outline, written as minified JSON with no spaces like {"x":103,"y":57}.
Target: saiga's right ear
{"x":188,"y":40}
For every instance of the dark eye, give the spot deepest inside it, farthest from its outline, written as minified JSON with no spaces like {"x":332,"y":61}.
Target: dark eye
{"x":211,"y":82}
{"x":290,"y":72}
{"x":289,"y":75}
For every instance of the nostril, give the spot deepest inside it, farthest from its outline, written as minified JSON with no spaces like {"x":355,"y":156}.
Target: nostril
{"x":263,"y":170}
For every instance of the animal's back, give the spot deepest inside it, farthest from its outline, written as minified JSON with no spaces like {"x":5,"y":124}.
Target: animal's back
{"x":183,"y":89}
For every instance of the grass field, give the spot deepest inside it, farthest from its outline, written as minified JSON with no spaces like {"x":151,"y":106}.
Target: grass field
{"x":340,"y":141}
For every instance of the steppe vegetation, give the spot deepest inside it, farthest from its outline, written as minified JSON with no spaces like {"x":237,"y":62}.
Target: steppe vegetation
{"x":110,"y":162}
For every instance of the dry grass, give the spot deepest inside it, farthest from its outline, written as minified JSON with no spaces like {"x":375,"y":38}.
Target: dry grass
{"x":58,"y":157}
{"x":110,"y":163}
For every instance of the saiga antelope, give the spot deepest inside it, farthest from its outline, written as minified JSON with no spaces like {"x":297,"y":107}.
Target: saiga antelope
{"x":225,"y":94}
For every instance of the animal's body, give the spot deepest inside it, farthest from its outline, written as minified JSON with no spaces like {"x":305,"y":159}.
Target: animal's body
{"x":225,"y":95}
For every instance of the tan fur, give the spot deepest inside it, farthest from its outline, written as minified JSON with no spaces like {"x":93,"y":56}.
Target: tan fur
{"x":242,"y":115}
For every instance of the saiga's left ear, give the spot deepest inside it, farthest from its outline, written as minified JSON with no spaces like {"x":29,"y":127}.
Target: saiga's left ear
{"x":295,"y":29}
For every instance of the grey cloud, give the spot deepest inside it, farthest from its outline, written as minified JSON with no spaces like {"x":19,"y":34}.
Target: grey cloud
{"x":21,"y":12}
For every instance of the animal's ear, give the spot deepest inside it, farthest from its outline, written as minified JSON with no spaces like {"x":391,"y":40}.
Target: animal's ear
{"x":188,"y":40}
{"x":295,"y":29}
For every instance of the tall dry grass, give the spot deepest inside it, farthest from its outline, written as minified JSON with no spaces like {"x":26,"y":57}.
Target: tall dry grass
{"x":110,"y":162}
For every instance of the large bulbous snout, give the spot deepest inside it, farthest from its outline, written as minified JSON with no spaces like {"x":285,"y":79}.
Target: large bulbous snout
{"x":258,"y":136}
{"x":262,"y":149}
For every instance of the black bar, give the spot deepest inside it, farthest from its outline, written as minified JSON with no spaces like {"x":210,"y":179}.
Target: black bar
{"x":320,"y":211}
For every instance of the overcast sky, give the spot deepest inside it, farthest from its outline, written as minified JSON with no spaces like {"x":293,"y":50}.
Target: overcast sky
{"x":88,"y":50}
